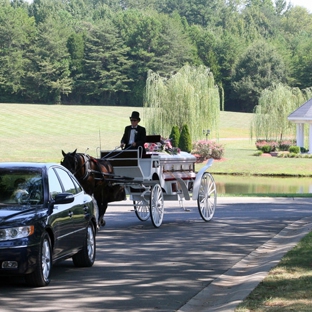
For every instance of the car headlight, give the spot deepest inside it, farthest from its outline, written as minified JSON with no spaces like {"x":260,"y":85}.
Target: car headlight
{"x":16,"y":232}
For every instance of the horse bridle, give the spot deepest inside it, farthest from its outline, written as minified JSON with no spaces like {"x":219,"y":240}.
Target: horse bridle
{"x":77,"y":167}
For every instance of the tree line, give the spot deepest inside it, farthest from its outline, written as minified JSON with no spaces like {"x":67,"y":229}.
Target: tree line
{"x":99,"y":52}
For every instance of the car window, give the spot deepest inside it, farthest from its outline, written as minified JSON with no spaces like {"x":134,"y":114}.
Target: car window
{"x":54,"y":184}
{"x":67,"y":182}
{"x":78,"y":186}
{"x":21,"y":186}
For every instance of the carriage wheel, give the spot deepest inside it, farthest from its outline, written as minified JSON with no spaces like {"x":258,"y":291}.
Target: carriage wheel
{"x":207,"y":197}
{"x":157,"y":205}
{"x":141,"y":209}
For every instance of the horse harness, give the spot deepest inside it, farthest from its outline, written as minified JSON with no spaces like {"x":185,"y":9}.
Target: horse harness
{"x":88,"y":169}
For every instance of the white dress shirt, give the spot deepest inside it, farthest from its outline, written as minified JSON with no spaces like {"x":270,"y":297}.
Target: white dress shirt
{"x":132,"y":136}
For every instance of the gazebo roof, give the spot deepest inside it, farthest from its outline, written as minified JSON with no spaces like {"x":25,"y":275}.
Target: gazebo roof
{"x":302,"y":113}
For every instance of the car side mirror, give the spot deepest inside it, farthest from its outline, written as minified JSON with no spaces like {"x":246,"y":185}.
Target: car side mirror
{"x":62,"y":198}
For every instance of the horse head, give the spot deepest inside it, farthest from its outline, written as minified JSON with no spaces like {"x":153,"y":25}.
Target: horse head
{"x":70,"y":161}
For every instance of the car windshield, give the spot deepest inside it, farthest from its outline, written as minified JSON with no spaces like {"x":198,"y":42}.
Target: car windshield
{"x":21,"y":187}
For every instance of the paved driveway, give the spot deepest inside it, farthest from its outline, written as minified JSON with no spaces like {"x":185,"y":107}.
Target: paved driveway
{"x":186,"y":264}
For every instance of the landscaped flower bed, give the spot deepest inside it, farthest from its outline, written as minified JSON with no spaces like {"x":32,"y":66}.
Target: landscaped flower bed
{"x":205,"y":149}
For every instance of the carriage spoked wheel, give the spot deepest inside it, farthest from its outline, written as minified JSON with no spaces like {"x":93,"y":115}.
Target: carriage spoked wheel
{"x":141,"y":208}
{"x":207,"y":197}
{"x":157,"y":205}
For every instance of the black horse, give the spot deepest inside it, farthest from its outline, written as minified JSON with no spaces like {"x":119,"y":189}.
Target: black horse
{"x":96,"y":177}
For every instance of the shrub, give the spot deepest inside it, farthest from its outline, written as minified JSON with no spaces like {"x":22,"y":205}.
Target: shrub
{"x":259,"y":153}
{"x":266,"y":149}
{"x":175,"y":136}
{"x":284,"y":145}
{"x":259,"y":144}
{"x":266,"y":146}
{"x":294,"y":149}
{"x":185,"y":142}
{"x":208,"y":149}
{"x":294,"y":155}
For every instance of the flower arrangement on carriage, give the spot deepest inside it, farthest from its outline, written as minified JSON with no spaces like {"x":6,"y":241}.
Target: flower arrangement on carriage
{"x":163,"y":146}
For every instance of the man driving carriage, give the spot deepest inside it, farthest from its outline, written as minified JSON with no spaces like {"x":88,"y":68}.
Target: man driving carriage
{"x":134,"y":134}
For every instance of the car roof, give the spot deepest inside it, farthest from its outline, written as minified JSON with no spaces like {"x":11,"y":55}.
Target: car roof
{"x":27,"y":165}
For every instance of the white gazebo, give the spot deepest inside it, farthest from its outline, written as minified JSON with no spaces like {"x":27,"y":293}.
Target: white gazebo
{"x":300,"y":116}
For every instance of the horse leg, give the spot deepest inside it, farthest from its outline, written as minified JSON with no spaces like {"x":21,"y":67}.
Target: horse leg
{"x":103,"y":205}
{"x":100,"y":195}
{"x":96,"y":211}
{"x":102,"y":210}
{"x":116,"y":193}
{"x":106,"y":194}
{"x":102,"y":222}
{"x":99,"y":207}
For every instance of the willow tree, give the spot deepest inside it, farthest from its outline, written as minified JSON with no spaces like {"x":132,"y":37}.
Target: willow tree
{"x":188,"y":97}
{"x":275,"y":104}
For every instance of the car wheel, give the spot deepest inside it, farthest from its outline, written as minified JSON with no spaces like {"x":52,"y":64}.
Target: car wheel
{"x":86,"y":256}
{"x":41,"y":276}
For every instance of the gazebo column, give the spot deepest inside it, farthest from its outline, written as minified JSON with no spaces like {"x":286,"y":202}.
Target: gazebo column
{"x":310,"y":139}
{"x":300,"y":134}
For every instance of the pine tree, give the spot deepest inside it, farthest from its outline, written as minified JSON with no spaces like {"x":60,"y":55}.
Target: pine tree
{"x":185,"y":142}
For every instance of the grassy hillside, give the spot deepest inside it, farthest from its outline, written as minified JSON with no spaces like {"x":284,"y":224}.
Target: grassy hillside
{"x":40,"y":132}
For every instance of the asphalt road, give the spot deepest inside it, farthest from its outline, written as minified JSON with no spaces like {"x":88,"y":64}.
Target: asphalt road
{"x":185,"y":265}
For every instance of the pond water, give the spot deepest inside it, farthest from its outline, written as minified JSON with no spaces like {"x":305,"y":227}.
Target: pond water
{"x":228,"y":184}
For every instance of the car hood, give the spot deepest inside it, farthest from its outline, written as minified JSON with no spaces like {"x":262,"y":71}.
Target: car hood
{"x":12,"y":215}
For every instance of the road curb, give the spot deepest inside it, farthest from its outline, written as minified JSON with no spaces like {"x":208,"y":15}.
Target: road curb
{"x":232,"y":287}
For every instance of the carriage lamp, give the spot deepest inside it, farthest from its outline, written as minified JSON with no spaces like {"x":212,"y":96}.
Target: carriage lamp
{"x":206,"y":132}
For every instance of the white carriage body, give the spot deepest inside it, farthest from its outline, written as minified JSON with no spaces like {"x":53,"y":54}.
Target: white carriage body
{"x":174,"y":173}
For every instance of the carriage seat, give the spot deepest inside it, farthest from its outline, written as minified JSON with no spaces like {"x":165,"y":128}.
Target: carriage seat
{"x":153,"y":138}
{"x":121,"y":158}
{"x":128,"y":157}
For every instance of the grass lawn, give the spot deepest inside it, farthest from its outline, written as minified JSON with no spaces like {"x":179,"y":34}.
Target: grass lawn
{"x":288,"y":286}
{"x":41,"y":132}
{"x":239,"y":159}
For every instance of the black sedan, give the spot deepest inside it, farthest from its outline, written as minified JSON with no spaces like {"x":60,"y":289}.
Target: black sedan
{"x":45,"y":217}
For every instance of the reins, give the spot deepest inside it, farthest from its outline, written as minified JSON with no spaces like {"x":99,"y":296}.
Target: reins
{"x":125,"y":149}
{"x":106,"y":156}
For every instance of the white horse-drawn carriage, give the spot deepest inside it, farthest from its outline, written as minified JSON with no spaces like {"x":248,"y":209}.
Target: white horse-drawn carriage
{"x":152,"y":178}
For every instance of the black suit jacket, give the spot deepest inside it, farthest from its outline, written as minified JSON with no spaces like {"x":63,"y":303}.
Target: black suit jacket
{"x":139,"y":139}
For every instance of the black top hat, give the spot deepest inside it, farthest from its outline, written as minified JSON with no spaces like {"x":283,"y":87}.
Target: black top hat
{"x":135,"y":115}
